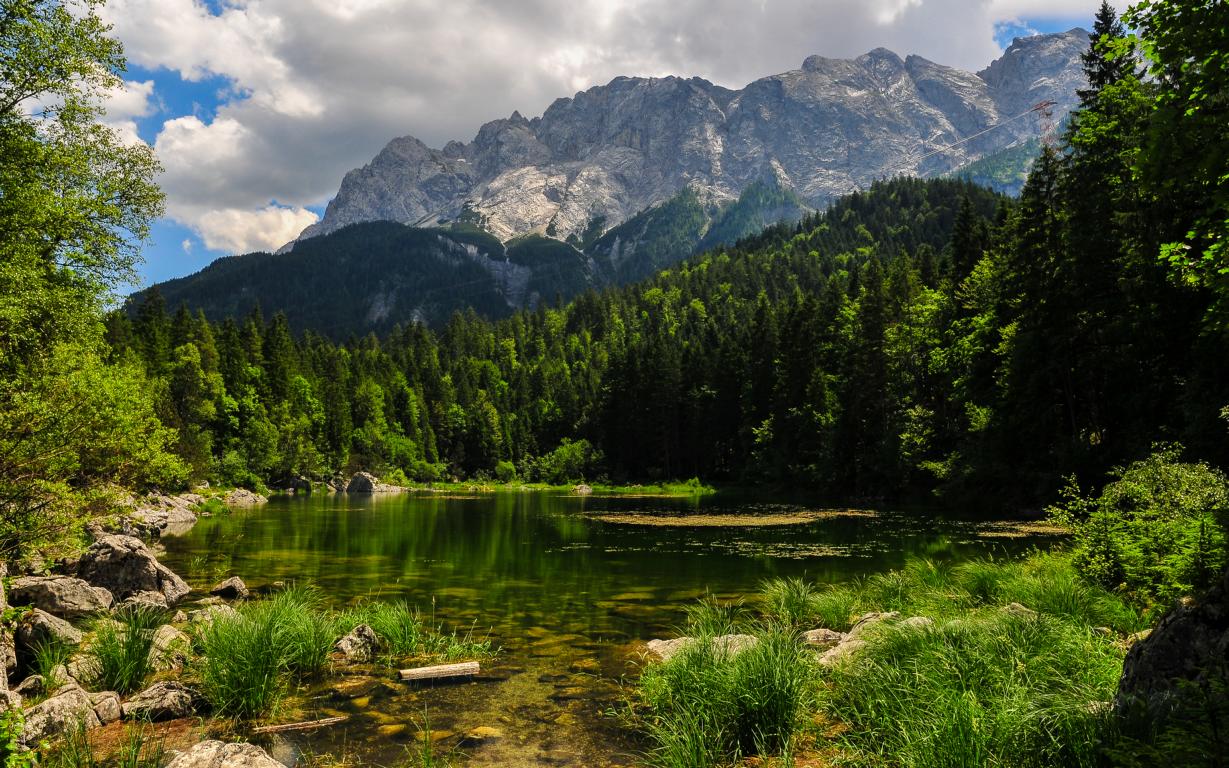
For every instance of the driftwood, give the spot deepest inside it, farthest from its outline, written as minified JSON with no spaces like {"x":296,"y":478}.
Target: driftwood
{"x":443,"y":671}
{"x":306,"y":725}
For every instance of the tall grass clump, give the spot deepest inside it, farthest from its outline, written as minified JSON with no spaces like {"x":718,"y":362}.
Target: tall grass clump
{"x":404,"y":633}
{"x":255,"y":654}
{"x":793,"y":601}
{"x":122,"y":648}
{"x":49,"y":657}
{"x":706,"y":706}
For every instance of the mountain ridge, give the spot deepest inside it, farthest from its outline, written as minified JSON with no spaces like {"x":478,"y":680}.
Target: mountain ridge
{"x":611,"y":151}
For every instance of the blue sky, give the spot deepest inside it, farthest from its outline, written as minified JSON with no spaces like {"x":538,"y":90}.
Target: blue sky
{"x":258,"y":108}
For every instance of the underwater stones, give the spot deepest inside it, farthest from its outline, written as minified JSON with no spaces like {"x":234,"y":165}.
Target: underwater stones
{"x":63,"y":596}
{"x":585,"y":667}
{"x":217,"y":754}
{"x":362,"y":645}
{"x":230,"y":589}
{"x":482,"y":733}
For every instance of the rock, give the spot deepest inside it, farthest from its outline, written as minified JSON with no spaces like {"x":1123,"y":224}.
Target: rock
{"x":83,"y":668}
{"x":230,"y":589}
{"x":482,"y":733}
{"x":125,"y":566}
{"x":1187,"y":648}
{"x":242,"y":497}
{"x":146,"y":600}
{"x":10,"y":700}
{"x":868,"y":620}
{"x":842,"y":652}
{"x":107,"y":706}
{"x":34,"y":685}
{"x":69,"y":706}
{"x":582,"y":490}
{"x":822,"y":639}
{"x":365,"y":482}
{"x":727,"y":646}
{"x":1019,"y":611}
{"x":362,"y":645}
{"x":163,"y":701}
{"x":62,"y":596}
{"x":170,"y":649}
{"x":918,"y":622}
{"x":207,"y":614}
{"x":1135,"y":637}
{"x":216,"y":754}
{"x":39,"y":627}
{"x":160,"y":514}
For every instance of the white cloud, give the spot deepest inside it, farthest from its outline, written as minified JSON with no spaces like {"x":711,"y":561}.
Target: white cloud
{"x":186,"y":245}
{"x":241,"y":231}
{"x":317,"y":87}
{"x":123,"y":105}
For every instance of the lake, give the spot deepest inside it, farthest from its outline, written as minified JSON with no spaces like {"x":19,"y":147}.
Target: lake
{"x":566,"y":585}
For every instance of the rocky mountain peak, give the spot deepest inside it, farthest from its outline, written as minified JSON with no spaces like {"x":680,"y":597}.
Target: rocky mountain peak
{"x":613,"y":150}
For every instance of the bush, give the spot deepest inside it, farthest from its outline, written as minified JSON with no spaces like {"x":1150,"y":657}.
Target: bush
{"x":505,"y":472}
{"x":122,"y":647}
{"x":396,"y":477}
{"x":568,"y":463}
{"x":1157,"y":531}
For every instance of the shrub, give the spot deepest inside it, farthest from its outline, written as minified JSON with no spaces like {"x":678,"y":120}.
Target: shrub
{"x":505,"y":472}
{"x":568,"y":463}
{"x":1158,"y":530}
{"x":396,"y":477}
{"x":122,"y":647}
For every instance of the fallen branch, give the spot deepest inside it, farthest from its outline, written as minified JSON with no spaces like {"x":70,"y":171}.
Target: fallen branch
{"x":306,"y":725}
{"x":443,"y":671}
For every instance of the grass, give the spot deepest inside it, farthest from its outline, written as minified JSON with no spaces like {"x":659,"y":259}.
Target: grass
{"x":707,"y":708}
{"x":404,"y":634}
{"x":979,"y":687}
{"x":49,"y":658}
{"x":122,"y":648}
{"x":138,"y":749}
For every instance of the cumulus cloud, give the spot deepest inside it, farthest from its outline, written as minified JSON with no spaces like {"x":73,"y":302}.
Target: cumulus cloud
{"x":317,"y":87}
{"x":239,"y":231}
{"x":123,"y":105}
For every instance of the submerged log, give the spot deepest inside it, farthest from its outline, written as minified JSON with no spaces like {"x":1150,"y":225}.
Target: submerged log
{"x":443,"y":671}
{"x":306,"y":725}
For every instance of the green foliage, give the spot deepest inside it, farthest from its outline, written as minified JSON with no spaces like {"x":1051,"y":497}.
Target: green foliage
{"x":122,"y":648}
{"x":404,"y":634}
{"x":568,"y":463}
{"x":1157,"y":530}
{"x":48,"y":655}
{"x":12,"y":752}
{"x":707,"y":707}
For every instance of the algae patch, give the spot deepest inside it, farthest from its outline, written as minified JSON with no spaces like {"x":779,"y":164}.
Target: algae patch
{"x":800,"y":517}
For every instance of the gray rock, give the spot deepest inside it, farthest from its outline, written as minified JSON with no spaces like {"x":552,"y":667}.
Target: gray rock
{"x":918,"y":622}
{"x":125,"y":566}
{"x":34,"y":685}
{"x":39,"y":627}
{"x":170,"y":649}
{"x":1188,"y":647}
{"x":726,"y":646}
{"x":163,"y":701}
{"x":69,"y":706}
{"x":83,"y":668}
{"x":147,"y":600}
{"x":209,"y":613}
{"x":365,"y":482}
{"x":230,"y":589}
{"x":161,"y":514}
{"x":842,"y":651}
{"x":362,"y":645}
{"x":822,"y":639}
{"x":216,"y":754}
{"x":823,"y":130}
{"x":242,"y":497}
{"x":1019,"y":611}
{"x":107,"y":706}
{"x":63,"y":596}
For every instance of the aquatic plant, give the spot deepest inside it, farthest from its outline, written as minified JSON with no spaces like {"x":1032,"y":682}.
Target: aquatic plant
{"x":404,"y":633}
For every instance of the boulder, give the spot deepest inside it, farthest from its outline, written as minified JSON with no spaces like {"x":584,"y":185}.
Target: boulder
{"x":62,"y":596}
{"x":34,"y":685}
{"x":162,"y":514}
{"x":1188,"y":648}
{"x":217,"y":754}
{"x":1019,"y":611}
{"x":39,"y":628}
{"x":107,"y":706}
{"x":163,"y":701}
{"x":918,"y":622}
{"x":362,"y":482}
{"x":69,"y":706}
{"x":868,"y":620}
{"x":362,"y":645}
{"x":146,"y":600}
{"x":170,"y":649}
{"x":230,"y":589}
{"x":842,"y":651}
{"x":242,"y":497}
{"x":822,"y":639}
{"x":207,"y":614}
{"x":83,"y":668}
{"x":726,"y":646}
{"x":125,"y":566}
{"x":582,"y":490}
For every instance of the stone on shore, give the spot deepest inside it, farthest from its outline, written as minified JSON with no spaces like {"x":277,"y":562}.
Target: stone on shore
{"x":107,"y":706}
{"x":822,"y":639}
{"x":169,"y":650}
{"x":230,"y":589}
{"x":62,"y":596}
{"x":242,"y":497}
{"x":69,"y":706}
{"x":163,"y":701}
{"x":162,"y":514}
{"x":365,"y":482}
{"x":725,"y":646}
{"x":217,"y":754}
{"x":125,"y":566}
{"x":362,"y":645}
{"x":39,"y":628}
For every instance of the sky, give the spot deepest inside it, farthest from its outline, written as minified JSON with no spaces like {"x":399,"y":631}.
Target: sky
{"x":257,"y":108}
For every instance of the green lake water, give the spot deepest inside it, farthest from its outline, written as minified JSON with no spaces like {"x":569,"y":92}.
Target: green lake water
{"x":566,"y":596}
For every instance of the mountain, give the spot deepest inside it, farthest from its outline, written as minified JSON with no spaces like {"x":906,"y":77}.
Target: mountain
{"x":622,"y":180}
{"x":608,"y":153}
